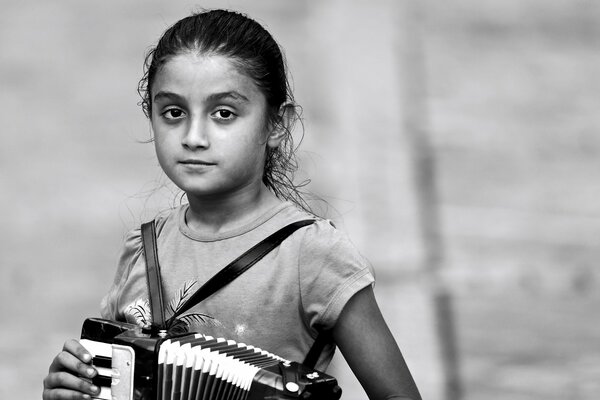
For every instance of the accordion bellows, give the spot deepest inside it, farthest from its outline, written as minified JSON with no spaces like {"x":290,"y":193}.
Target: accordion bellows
{"x":135,"y":364}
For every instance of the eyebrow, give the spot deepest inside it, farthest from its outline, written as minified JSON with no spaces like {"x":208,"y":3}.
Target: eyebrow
{"x":166,"y":95}
{"x":230,"y":95}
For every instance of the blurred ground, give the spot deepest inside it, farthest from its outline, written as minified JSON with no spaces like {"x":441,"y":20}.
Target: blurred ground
{"x":511,"y":109}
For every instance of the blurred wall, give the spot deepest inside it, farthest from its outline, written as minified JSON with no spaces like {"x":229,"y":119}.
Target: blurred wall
{"x":514,"y":117}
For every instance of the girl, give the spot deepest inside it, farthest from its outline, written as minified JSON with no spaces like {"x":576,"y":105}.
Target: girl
{"x":216,"y":93}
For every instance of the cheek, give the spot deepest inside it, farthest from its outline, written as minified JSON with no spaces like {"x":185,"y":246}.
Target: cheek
{"x":162,"y":148}
{"x":249,"y":156}
{"x":160,"y":135}
{"x":161,"y":156}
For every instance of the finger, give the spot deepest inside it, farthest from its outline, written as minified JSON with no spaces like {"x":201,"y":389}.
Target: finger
{"x":66,"y":361}
{"x":69,"y":383}
{"x":64,"y":394}
{"x":74,"y":347}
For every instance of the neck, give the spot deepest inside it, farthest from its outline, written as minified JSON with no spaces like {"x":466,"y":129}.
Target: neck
{"x":214,"y":214}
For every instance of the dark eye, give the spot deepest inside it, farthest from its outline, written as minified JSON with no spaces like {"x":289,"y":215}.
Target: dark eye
{"x":173,"y":113}
{"x":223,"y":114}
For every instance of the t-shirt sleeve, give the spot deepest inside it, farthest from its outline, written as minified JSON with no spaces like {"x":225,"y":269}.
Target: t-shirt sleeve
{"x":132,"y":250}
{"x":331,"y":271}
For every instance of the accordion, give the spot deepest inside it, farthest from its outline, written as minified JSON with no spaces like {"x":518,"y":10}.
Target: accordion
{"x":134,"y":363}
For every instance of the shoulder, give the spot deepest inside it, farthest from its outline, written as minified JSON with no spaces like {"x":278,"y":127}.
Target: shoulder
{"x":323,"y":240}
{"x":330,"y":271}
{"x":132,"y":244}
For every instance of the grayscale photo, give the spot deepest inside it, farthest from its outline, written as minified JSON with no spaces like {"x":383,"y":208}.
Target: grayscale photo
{"x":316,"y":200}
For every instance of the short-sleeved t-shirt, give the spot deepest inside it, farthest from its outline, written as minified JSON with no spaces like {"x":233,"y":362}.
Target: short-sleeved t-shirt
{"x":279,"y":304}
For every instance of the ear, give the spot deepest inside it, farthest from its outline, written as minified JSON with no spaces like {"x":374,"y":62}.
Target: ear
{"x":283,"y":127}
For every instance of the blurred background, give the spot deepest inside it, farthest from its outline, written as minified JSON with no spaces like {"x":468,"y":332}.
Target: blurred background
{"x":457,"y":142}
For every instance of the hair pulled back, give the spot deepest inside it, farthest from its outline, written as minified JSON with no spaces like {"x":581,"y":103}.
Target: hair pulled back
{"x":255,"y":53}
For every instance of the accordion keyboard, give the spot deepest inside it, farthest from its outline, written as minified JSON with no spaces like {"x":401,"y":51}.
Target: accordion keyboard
{"x":115,"y":366}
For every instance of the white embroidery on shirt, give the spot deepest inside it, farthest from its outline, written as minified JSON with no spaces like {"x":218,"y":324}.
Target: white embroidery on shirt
{"x":240,"y":329}
{"x":139,"y":312}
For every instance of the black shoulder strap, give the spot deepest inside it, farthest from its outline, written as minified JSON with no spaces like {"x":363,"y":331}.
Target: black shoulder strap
{"x":315,"y":351}
{"x":240,"y":265}
{"x":153,"y":273}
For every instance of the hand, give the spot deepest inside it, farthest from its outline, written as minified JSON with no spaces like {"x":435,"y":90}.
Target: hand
{"x":64,"y":381}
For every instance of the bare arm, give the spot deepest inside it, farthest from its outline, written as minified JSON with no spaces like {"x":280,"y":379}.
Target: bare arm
{"x":368,"y":346}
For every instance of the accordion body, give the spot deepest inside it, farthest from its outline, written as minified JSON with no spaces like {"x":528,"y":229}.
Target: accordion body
{"x":134,"y":363}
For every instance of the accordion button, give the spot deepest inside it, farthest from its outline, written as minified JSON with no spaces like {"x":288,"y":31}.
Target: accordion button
{"x":312,"y":375}
{"x":292,"y":387}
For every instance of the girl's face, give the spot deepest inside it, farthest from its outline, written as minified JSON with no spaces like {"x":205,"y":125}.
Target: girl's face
{"x":210,"y":126}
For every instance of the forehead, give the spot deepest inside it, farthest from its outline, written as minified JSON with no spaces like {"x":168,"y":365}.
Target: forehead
{"x":203,"y":75}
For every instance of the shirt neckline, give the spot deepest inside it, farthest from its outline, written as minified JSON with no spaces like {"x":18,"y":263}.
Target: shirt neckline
{"x":237,"y":231}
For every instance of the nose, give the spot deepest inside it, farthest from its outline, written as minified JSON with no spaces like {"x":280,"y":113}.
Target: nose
{"x":196,"y":135}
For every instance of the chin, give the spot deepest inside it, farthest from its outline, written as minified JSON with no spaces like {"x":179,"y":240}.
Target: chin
{"x":203,"y":191}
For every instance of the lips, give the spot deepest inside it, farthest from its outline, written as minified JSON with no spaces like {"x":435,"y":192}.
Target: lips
{"x":196,"y":162}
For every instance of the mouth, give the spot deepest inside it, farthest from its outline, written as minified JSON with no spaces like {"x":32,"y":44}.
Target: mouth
{"x":194,"y":162}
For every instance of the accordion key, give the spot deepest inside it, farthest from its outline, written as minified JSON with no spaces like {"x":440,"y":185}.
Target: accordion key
{"x":133,"y":363}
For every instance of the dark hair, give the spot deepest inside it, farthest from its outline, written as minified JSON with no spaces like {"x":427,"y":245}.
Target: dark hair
{"x":254,"y":51}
